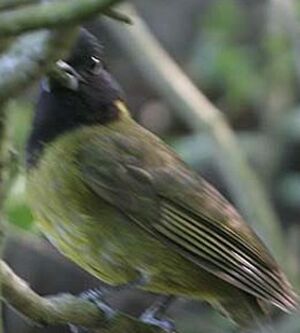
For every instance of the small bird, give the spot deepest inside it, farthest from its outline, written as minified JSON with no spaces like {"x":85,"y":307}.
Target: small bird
{"x":116,"y":200}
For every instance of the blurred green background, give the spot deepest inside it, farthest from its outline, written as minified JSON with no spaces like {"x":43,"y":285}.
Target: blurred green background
{"x":245,"y":56}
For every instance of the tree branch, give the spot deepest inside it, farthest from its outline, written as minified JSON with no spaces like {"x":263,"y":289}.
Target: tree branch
{"x":50,"y":15}
{"x":63,"y":309}
{"x":13,"y":4}
{"x":199,"y":113}
{"x":29,"y":56}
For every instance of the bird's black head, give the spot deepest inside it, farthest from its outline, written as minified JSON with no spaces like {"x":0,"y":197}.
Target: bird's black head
{"x":87,"y":96}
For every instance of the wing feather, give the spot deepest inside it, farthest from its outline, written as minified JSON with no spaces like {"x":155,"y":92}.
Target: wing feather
{"x":195,"y":220}
{"x":219,"y":238}
{"x":223,"y":252}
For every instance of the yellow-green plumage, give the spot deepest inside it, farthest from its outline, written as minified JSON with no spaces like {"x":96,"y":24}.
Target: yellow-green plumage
{"x":107,"y":205}
{"x":116,"y":200}
{"x":90,"y":230}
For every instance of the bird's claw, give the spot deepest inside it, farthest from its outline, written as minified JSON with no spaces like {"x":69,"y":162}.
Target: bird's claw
{"x":154,"y":314}
{"x":165,"y":324}
{"x":95,"y":296}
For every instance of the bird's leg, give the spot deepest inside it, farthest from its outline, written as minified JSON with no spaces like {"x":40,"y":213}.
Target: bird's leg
{"x":155,"y":313}
{"x":97,"y":296}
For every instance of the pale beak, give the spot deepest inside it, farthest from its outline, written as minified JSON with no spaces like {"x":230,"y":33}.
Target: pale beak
{"x":72,"y":77}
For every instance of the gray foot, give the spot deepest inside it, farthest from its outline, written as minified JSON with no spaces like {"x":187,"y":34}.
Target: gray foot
{"x":95,"y":296}
{"x":154,"y":314}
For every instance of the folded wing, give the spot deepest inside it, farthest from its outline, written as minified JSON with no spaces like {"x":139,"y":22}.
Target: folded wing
{"x":165,"y":198}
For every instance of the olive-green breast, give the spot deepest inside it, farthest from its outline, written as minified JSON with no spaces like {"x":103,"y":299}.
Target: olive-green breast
{"x":72,"y":217}
{"x":100,"y":239}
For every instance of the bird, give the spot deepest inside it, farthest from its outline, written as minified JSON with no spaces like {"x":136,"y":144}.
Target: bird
{"x":116,"y":200}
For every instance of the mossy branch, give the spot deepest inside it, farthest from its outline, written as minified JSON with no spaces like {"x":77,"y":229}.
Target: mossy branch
{"x":52,"y":14}
{"x":29,"y":56}
{"x":63,"y":309}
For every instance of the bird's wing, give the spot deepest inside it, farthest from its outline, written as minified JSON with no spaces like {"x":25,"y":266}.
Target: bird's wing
{"x":168,"y":200}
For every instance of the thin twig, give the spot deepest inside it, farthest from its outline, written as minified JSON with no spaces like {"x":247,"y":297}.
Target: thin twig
{"x":118,"y":16}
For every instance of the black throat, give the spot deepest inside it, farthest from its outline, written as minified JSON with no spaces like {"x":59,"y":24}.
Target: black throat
{"x":60,"y":112}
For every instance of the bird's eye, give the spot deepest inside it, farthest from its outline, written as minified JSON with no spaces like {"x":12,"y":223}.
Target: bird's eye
{"x":95,"y":65}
